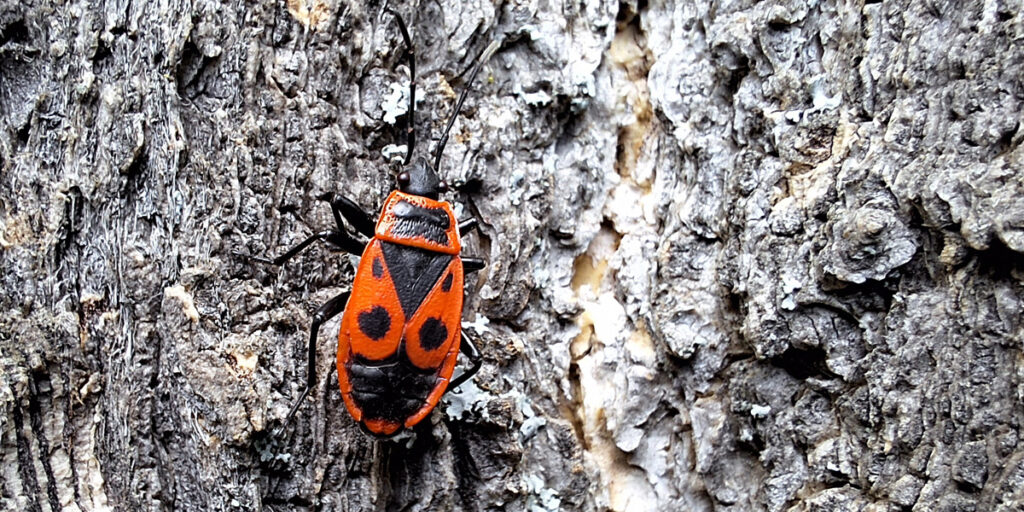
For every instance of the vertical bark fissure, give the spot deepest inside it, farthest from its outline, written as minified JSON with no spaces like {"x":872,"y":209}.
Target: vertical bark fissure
{"x":26,"y":463}
{"x":35,"y":417}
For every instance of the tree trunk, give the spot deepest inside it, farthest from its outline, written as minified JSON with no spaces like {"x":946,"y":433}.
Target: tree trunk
{"x":741,"y":256}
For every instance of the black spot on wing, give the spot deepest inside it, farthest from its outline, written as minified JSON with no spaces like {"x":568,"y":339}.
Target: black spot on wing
{"x":447,"y":284}
{"x":432,"y":333}
{"x":378,"y":268}
{"x":375,"y":323}
{"x":414,"y":272}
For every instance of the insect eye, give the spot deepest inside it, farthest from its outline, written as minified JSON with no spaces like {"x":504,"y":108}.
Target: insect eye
{"x":403,"y":180}
{"x":443,"y":186}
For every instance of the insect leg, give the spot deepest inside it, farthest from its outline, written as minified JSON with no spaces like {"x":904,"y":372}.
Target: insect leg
{"x":471,"y":264}
{"x":329,"y":310}
{"x":342,"y":206}
{"x":468,"y":225}
{"x":473,"y":354}
{"x":339,"y":239}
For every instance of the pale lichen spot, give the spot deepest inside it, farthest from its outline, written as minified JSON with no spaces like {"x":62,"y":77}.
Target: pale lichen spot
{"x":92,"y":386}
{"x":88,"y":298}
{"x":641,"y":347}
{"x":311,"y":13}
{"x":16,"y":230}
{"x":245,"y":362}
{"x":188,"y":306}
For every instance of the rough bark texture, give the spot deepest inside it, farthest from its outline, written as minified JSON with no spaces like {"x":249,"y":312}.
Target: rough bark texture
{"x":742,"y":256}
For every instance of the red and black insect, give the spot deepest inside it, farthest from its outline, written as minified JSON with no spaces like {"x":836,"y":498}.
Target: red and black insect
{"x":401,"y":330}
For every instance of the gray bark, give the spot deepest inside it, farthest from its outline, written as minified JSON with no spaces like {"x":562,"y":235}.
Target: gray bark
{"x":742,"y":256}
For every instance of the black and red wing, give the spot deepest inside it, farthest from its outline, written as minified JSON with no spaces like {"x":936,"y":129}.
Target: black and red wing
{"x":400,"y":334}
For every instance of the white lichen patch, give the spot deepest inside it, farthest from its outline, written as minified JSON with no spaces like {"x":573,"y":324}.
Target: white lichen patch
{"x":479,"y":325}
{"x":396,"y":102}
{"x":393,"y":151}
{"x":468,"y":398}
{"x":541,"y":497}
{"x":501,"y":120}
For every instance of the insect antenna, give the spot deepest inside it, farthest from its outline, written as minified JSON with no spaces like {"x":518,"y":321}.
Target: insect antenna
{"x":410,"y":54}
{"x":484,"y":57}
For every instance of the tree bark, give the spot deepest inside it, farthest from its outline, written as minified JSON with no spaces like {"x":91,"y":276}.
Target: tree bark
{"x":741,"y":256}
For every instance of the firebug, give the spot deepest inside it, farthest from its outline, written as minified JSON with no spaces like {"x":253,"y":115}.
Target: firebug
{"x":401,"y":328}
